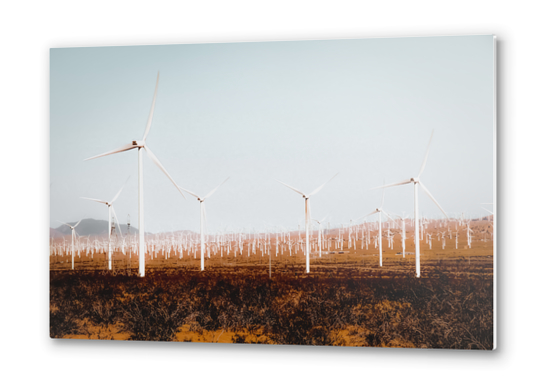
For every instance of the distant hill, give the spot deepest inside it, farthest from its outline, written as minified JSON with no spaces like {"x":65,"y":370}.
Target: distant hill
{"x":54,"y":233}
{"x":183,"y":232}
{"x":88,"y":227}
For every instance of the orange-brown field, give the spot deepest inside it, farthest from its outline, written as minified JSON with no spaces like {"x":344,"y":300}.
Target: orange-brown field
{"x":347,"y":299}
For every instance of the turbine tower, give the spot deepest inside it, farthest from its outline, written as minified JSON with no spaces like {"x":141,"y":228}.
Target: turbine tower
{"x":129,"y":241}
{"x":140,"y":145}
{"x":416,"y":181}
{"x":308,"y":218}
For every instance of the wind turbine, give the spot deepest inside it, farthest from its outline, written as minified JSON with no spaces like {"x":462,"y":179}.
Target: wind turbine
{"x":320,"y":235}
{"x":110,"y":210}
{"x":73,"y":238}
{"x":403,"y":231}
{"x":380,"y":211}
{"x":308,"y":217}
{"x":416,"y":181}
{"x":203,"y":218}
{"x":141,"y":144}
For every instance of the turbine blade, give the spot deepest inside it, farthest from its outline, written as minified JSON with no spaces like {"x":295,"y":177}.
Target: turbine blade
{"x":64,"y":223}
{"x":117,"y":220}
{"x":432,"y":198}
{"x":214,"y":190}
{"x":391,"y":218}
{"x":487,"y":210}
{"x":159,"y":165}
{"x":309,"y":212}
{"x":98,"y":201}
{"x":191,"y":193}
{"x":394,"y":184}
{"x":204,"y":217}
{"x":149,"y":120}
{"x":77,"y":223}
{"x":320,"y":187}
{"x":383,"y":190}
{"x":121,"y":149}
{"x":426,"y":154}
{"x":372,"y":213}
{"x":292,"y":188}
{"x":118,"y":193}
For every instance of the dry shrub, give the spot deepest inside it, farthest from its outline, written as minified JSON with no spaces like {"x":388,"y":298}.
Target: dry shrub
{"x":441,"y":311}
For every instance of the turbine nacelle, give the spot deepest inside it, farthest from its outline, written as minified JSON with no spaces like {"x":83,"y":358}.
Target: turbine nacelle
{"x":139,"y":143}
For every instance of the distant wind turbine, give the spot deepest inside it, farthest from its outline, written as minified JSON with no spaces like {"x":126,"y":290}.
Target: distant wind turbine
{"x":73,"y":238}
{"x":203,"y":218}
{"x":320,"y":235}
{"x":110,"y":210}
{"x":416,"y":181}
{"x":308,"y":217}
{"x":380,"y":211}
{"x":141,"y":144}
{"x":403,"y":233}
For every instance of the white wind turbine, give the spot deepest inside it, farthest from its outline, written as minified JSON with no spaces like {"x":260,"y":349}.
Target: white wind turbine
{"x":416,"y":181}
{"x":320,"y":235}
{"x":380,"y":211}
{"x":141,"y":144}
{"x":73,"y":238}
{"x":203,"y":218}
{"x":110,"y":210}
{"x":403,"y":232}
{"x":308,"y":217}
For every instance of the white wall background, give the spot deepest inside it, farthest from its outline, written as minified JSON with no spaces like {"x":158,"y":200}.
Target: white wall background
{"x":28,"y":30}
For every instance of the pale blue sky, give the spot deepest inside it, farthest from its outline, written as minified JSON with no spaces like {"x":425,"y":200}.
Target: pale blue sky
{"x":294,"y":111}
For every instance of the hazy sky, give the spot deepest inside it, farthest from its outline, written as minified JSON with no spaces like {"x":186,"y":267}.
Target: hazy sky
{"x":298,"y":112}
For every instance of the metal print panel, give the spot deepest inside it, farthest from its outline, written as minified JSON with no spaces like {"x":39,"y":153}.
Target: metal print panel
{"x":334,"y":192}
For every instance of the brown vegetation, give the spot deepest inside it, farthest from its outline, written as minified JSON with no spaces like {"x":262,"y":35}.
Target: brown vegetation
{"x":451,"y":306}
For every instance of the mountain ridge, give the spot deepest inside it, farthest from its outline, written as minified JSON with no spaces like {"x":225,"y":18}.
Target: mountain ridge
{"x":95,"y":227}
{"x":88,"y":227}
